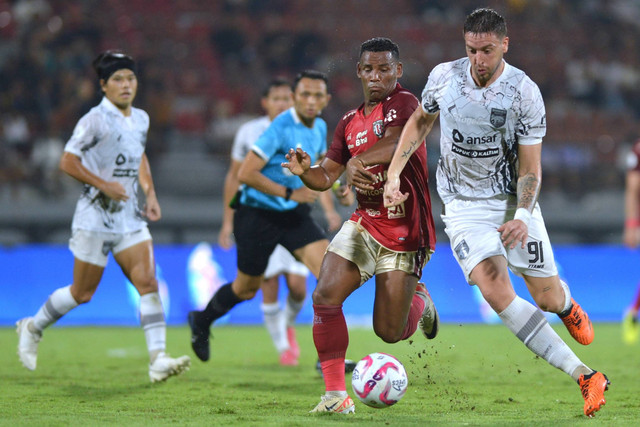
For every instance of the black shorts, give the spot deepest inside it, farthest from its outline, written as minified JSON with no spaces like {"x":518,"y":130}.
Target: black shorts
{"x":258,"y":231}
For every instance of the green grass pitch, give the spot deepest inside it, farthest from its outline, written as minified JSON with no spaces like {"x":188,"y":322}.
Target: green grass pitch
{"x":469,"y":375}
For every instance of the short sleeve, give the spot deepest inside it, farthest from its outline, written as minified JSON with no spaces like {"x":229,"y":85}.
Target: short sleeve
{"x":269,"y":142}
{"x":86,"y":134}
{"x":241,"y":145}
{"x":532,"y":123}
{"x":338,"y":151}
{"x":429,"y":101}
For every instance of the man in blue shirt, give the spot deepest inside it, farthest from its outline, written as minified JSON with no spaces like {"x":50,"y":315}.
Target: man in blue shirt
{"x":274,"y":204}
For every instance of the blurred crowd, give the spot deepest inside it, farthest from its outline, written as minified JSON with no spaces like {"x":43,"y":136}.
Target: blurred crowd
{"x":202,"y":66}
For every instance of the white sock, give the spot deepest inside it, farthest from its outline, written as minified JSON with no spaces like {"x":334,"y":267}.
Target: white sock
{"x":567,"y":296}
{"x":274,"y":321}
{"x":291,"y":310}
{"x":59,"y":303}
{"x":531,"y":327}
{"x":153,"y":323}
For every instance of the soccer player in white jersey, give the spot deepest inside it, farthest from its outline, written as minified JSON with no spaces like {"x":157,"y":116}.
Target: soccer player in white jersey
{"x":492,"y":121}
{"x":276,"y":98}
{"x":106,"y":153}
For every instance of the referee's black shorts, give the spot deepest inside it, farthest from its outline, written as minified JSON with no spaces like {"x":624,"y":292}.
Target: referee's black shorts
{"x":258,"y":231}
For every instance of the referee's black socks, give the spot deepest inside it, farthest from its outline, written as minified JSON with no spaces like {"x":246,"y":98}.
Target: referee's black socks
{"x":222,"y":301}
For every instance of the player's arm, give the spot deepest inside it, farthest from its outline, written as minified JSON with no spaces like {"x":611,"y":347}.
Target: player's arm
{"x":632,"y":209}
{"x":152,"y":207}
{"x":72,"y":165}
{"x":412,"y":137}
{"x":380,"y":153}
{"x":319,"y":177}
{"x":528,"y":188}
{"x":231,"y":184}
{"x":250,"y":173}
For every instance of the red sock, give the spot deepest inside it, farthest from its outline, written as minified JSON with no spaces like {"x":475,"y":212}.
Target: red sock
{"x":331,"y":337}
{"x":417,"y":307}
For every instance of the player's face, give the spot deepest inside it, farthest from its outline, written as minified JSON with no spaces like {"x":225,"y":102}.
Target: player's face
{"x":485,"y":51}
{"x":279,"y":99}
{"x":378,"y":72}
{"x":121,"y":88}
{"x":310,"y":97}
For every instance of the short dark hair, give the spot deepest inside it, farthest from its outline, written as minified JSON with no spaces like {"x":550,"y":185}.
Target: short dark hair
{"x":108,"y":62}
{"x":310,"y":74}
{"x":381,"y":44}
{"x":484,"y":20}
{"x":277,"y":82}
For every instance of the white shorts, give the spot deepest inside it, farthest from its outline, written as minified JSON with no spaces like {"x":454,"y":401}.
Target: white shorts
{"x":472,"y":229}
{"x":282,"y":262}
{"x":354,"y":243}
{"x":94,"y":246}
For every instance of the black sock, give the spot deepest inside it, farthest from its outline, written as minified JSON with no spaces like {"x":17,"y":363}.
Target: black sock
{"x":221,"y":302}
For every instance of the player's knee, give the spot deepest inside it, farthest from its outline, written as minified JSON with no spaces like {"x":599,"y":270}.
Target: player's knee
{"x":389,"y":337}
{"x":147,"y":285}
{"x":82,"y":297}
{"x":387,"y":333}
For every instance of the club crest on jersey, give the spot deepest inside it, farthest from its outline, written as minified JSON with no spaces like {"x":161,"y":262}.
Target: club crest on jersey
{"x":498,"y":117}
{"x":377,"y":128}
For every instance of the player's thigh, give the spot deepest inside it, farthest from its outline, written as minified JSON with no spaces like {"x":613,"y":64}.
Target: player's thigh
{"x":338,"y":279}
{"x":138,"y":265}
{"x":312,"y":255}
{"x":86,"y":278}
{"x":472,"y":230}
{"x":394,"y":293}
{"x":491,"y":275}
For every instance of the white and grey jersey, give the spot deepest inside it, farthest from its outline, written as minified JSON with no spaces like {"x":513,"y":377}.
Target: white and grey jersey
{"x":111,"y":146}
{"x":481,"y":128}
{"x":247,"y":135}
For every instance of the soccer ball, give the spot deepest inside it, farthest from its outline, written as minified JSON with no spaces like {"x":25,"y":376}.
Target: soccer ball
{"x":379,"y":380}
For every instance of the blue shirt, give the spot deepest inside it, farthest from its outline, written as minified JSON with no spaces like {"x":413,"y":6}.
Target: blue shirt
{"x":286,"y":131}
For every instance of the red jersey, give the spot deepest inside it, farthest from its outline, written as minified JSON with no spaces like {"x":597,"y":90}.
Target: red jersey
{"x":406,"y":227}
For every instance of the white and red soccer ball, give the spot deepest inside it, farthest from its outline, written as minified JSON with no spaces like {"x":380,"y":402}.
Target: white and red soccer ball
{"x":379,"y":380}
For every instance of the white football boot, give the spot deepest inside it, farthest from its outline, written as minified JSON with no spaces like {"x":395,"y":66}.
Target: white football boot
{"x":165,"y":366}
{"x":27,"y":343}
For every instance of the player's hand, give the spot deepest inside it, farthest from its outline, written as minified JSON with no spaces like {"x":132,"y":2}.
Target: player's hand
{"x":392,"y":195}
{"x":224,"y":237}
{"x":304,"y":195}
{"x":357,"y":175}
{"x":115,"y":191}
{"x":514,"y":232}
{"x":152,"y":208}
{"x":298,"y":161}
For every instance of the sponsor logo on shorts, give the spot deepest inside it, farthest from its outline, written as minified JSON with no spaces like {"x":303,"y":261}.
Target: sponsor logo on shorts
{"x":462,"y":250}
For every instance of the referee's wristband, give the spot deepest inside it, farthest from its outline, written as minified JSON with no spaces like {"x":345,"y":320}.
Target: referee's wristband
{"x":287,"y":193}
{"x":523,"y":215}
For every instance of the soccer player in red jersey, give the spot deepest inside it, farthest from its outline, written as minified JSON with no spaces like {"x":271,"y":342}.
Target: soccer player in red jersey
{"x":391,"y":244}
